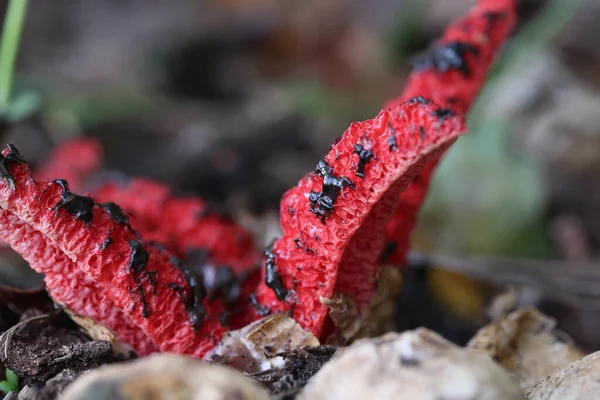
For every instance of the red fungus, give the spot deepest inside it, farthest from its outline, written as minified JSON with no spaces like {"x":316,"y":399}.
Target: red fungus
{"x":195,"y":225}
{"x":333,"y":220}
{"x":221,"y":250}
{"x":157,"y":293}
{"x":74,"y":160}
{"x":142,"y":200}
{"x":209,"y":242}
{"x":69,"y":285}
{"x":451,"y":74}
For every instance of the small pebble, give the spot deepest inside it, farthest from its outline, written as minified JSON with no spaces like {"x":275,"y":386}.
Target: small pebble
{"x":164,"y":376}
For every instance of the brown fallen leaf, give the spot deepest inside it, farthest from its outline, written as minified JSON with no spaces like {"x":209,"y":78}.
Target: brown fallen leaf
{"x":374,"y":320}
{"x":527,"y":345}
{"x":254,"y":348}
{"x":97,"y":331}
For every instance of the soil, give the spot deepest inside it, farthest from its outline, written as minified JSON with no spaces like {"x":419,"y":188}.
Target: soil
{"x":51,"y":389}
{"x":300,"y":366}
{"x":44,"y":346}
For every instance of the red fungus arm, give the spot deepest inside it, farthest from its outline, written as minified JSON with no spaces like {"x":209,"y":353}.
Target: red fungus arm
{"x":210,"y":243}
{"x":451,"y":74}
{"x":74,"y":160}
{"x":153,"y":290}
{"x":142,"y":200}
{"x":69,"y":285}
{"x":333,"y":220}
{"x":194,"y":224}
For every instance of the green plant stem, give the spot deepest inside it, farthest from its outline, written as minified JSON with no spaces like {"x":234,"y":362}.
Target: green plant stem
{"x":9,"y":47}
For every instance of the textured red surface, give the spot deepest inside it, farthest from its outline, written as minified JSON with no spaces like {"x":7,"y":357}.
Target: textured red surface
{"x":192,"y":225}
{"x":181,"y":223}
{"x":74,"y":160}
{"x":485,"y":28}
{"x":143,"y":201}
{"x":313,"y":256}
{"x":167,"y":321}
{"x":67,"y":284}
{"x":185,"y":224}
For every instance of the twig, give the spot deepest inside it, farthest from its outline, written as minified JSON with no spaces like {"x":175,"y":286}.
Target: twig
{"x":6,"y":337}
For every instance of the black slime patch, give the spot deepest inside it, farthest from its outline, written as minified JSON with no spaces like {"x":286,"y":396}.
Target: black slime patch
{"x":137,"y":265}
{"x":272,"y":278}
{"x":223,"y":281}
{"x":6,"y":161}
{"x":391,"y":140}
{"x":107,"y":241}
{"x":116,"y":213}
{"x":78,"y":206}
{"x":260,"y":309}
{"x":364,"y":156}
{"x":192,"y":301}
{"x":418,"y":99}
{"x":422,"y":133}
{"x":442,"y":114}
{"x":322,"y":202}
{"x":445,"y":58}
{"x":389,"y":248}
{"x":300,"y":244}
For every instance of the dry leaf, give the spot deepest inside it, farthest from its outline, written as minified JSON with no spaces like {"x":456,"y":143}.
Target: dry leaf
{"x":374,"y":320}
{"x":253,"y":348}
{"x":526,"y":343}
{"x":97,"y":331}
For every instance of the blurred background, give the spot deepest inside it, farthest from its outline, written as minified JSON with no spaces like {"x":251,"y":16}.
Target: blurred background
{"x":235,"y":100}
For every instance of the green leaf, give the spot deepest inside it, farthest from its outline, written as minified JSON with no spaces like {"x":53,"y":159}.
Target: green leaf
{"x":12,"y":378}
{"x":11,"y":384}
{"x":6,"y":387}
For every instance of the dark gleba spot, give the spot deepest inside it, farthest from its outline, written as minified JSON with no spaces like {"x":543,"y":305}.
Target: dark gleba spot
{"x":364,"y":156}
{"x":260,"y":309}
{"x":445,"y":58}
{"x":442,"y":114}
{"x":322,"y":202}
{"x":219,"y":280}
{"x":106,"y":242}
{"x":300,"y":244}
{"x":139,"y":257}
{"x":272,"y":278}
{"x":6,"y":161}
{"x":391,"y":140}
{"x":389,"y":248}
{"x":137,"y":266}
{"x":193,"y":301}
{"x":419,"y":99}
{"x":78,"y":206}
{"x":116,"y":213}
